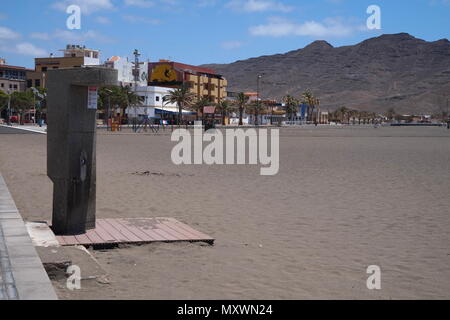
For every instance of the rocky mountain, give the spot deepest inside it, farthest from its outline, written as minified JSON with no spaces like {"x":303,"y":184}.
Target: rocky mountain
{"x":394,"y":70}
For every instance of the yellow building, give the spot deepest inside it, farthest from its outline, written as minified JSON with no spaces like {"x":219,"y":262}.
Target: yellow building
{"x":201,"y":81}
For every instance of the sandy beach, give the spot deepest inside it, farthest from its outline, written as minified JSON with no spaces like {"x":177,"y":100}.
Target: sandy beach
{"x":344,"y":198}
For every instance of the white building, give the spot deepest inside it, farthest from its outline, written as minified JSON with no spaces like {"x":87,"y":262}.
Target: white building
{"x":91,"y":57}
{"x":153,"y":103}
{"x":126,"y":71}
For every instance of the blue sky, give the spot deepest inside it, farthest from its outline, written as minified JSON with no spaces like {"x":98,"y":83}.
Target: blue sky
{"x":207,"y":31}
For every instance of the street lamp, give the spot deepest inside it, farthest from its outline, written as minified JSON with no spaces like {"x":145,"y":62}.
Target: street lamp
{"x":162,"y":108}
{"x":448,"y":115}
{"x":257,"y":99}
{"x":9,"y":108}
{"x":41,"y":97}
{"x":108,"y":108}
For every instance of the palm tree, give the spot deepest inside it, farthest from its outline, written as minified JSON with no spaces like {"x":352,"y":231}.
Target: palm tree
{"x":22,"y":101}
{"x":241,"y":102}
{"x":309,"y":99}
{"x":391,"y":114}
{"x":40,"y":95}
{"x":257,"y":108}
{"x":351,"y":115}
{"x":291,"y":106}
{"x":130,"y":97}
{"x":199,"y":105}
{"x":373,"y":117}
{"x":123,"y":97}
{"x":182,"y":97}
{"x":225,"y":108}
{"x":3,"y":100}
{"x":342,"y":113}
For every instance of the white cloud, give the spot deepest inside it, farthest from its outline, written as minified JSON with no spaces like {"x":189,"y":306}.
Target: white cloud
{"x":23,"y":48}
{"x":139,"y":3}
{"x":277,"y":27}
{"x":29,"y":49}
{"x":74,"y":36}
{"x":71,"y":36}
{"x":137,"y":19}
{"x":40,"y":36}
{"x":258,"y":6}
{"x":6,"y":33}
{"x":231,"y":45}
{"x":87,"y":6}
{"x":8,"y":43}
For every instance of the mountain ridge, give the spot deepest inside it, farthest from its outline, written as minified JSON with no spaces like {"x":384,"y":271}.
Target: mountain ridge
{"x":396,"y":71}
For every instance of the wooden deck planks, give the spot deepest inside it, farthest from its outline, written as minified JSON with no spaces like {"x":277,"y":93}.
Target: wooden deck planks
{"x":117,"y":231}
{"x":189,"y":229}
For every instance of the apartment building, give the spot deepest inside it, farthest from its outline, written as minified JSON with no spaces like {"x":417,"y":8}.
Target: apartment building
{"x":12,"y":78}
{"x":74,"y":56}
{"x":126,"y":71}
{"x":203,"y":82}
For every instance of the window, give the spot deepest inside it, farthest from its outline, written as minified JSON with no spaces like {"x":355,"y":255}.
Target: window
{"x":2,"y":85}
{"x":10,"y":86}
{"x":55,"y":67}
{"x":15,"y":86}
{"x":29,"y":83}
{"x":157,"y":99}
{"x":37,"y":83}
{"x":44,"y":69}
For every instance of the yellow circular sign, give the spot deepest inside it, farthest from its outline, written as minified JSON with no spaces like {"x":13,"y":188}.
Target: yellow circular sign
{"x":163,"y":73}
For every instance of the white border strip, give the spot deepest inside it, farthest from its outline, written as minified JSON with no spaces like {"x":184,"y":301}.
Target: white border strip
{"x":24,"y":129}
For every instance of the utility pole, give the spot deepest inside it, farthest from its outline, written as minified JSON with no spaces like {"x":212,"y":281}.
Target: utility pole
{"x":136,"y":54}
{"x":136,"y":69}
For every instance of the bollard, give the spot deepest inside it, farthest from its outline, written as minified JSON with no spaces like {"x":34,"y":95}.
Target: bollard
{"x":71,"y":142}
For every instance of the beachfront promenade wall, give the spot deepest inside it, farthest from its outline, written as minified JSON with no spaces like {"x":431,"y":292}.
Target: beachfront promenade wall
{"x":22,"y":275}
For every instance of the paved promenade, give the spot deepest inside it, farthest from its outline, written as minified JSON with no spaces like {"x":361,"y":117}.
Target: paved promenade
{"x":22,"y":275}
